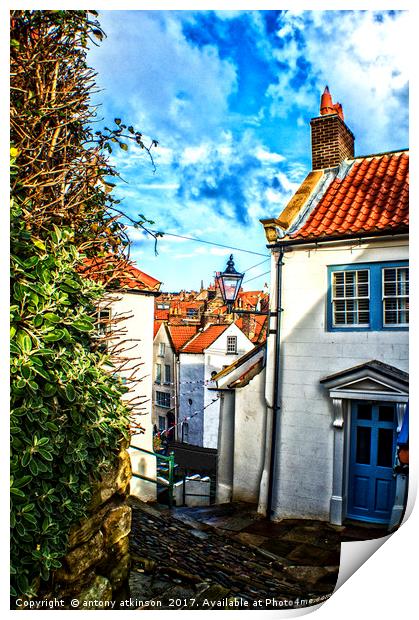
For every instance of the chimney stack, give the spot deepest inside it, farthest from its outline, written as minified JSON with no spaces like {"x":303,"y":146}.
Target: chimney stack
{"x":331,"y":140}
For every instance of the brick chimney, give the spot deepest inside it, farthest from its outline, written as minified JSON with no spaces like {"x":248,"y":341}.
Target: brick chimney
{"x":331,"y":140}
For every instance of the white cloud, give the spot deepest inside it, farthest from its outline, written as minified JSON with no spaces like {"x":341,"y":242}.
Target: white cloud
{"x":362,"y":56}
{"x":158,"y":186}
{"x":265,"y":155}
{"x":273,"y":197}
{"x":193,"y":154}
{"x":162,"y":76}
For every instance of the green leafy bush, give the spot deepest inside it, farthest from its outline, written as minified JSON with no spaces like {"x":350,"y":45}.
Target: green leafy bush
{"x":68,"y":419}
{"x":67,"y":416}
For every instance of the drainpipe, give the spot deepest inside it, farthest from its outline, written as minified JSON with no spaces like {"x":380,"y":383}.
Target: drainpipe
{"x":176,"y":382}
{"x":276,"y":420}
{"x":272,"y":399}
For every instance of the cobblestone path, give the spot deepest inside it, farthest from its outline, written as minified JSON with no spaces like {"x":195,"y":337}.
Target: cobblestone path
{"x":186,"y":564}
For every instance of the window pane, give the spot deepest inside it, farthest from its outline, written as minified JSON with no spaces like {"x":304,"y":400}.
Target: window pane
{"x":364,"y":412}
{"x":363,"y":445}
{"x":350,"y":291}
{"x":162,"y":423}
{"x":385,"y":447}
{"x":386,"y":413}
{"x":396,"y":296}
{"x":163,"y":399}
{"x":231,"y":344}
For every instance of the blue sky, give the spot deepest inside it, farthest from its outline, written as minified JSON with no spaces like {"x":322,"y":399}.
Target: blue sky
{"x":229,"y":96}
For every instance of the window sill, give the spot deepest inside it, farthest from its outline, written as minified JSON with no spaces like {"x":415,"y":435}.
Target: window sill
{"x":368,"y":329}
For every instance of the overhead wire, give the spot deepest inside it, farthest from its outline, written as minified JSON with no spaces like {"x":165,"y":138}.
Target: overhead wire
{"x":256,"y":277}
{"x":220,"y":245}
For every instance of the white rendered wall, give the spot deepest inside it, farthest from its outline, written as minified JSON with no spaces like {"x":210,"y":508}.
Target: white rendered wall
{"x":309,"y":353}
{"x":139,"y":334}
{"x":191,"y":378}
{"x":249,"y":436}
{"x":216,"y":358}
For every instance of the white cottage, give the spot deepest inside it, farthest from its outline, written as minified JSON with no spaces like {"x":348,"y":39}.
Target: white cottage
{"x":167,"y":342}
{"x":131,"y":305}
{"x":200,"y":359}
{"x":337,"y":358}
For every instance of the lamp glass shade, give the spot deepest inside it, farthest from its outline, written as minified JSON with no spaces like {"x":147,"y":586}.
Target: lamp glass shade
{"x":230,"y":282}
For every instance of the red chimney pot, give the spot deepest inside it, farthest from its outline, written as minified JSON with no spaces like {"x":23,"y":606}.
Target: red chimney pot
{"x":328,"y":107}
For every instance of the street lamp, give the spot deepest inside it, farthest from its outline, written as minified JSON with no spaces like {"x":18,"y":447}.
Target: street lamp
{"x":230,"y":282}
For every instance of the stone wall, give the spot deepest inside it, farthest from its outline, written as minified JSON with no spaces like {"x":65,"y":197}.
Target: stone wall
{"x":97,"y":564}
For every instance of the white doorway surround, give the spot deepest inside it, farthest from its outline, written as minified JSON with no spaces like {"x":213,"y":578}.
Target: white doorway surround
{"x":377,"y":383}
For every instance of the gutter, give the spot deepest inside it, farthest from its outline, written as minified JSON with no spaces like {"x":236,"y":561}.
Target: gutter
{"x":286,"y":243}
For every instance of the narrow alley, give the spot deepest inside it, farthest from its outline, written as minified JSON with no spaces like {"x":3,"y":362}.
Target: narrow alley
{"x":227,"y":556}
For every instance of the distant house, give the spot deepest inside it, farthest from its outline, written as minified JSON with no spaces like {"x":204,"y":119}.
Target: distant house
{"x":168,"y":340}
{"x":131,"y":302}
{"x":339,"y":375}
{"x":201,"y":358}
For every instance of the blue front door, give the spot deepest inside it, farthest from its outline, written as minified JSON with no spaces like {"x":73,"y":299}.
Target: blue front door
{"x":372,"y":449}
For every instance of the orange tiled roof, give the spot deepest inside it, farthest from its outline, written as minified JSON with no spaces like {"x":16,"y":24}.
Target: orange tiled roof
{"x":259,"y":327}
{"x":182,"y":306}
{"x":180,"y":334}
{"x":371,"y":196}
{"x":176,"y":320}
{"x":133,"y":278}
{"x":156,"y":328}
{"x":161,"y":315}
{"x":204,"y":339}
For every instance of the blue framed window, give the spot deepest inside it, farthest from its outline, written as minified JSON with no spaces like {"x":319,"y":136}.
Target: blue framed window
{"x":162,"y":399}
{"x":368,"y":296}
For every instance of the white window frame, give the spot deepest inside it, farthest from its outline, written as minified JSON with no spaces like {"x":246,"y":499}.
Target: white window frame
{"x":402,"y":300}
{"x":167,"y":374}
{"x":355,"y":299}
{"x":162,"y":349}
{"x":232,"y":344}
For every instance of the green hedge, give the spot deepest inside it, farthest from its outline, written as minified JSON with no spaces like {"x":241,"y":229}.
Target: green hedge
{"x":67,"y":416}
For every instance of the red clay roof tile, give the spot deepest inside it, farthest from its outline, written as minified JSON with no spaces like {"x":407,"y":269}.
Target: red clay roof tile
{"x":181,"y":334}
{"x":204,"y":339}
{"x":372,"y":196}
{"x":129,"y":277}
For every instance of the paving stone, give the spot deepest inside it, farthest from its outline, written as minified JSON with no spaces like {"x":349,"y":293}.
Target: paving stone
{"x":268,"y":528}
{"x":279,"y":546}
{"x":309,"y":575}
{"x":234,"y":523}
{"x":312,"y":535}
{"x":223,"y":559}
{"x":251,"y":539}
{"x":309,"y":554}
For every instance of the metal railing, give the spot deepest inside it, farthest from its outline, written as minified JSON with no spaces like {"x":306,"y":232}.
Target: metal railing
{"x":170,"y":460}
